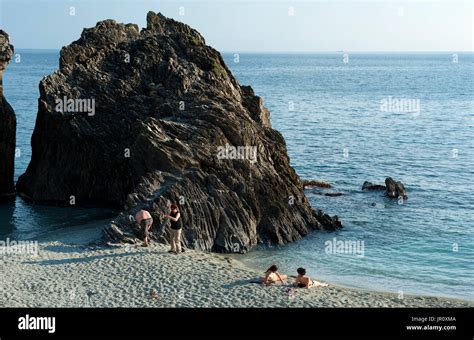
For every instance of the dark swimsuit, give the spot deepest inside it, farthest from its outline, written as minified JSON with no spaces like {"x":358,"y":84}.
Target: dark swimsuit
{"x":302,"y":285}
{"x":176,"y":225}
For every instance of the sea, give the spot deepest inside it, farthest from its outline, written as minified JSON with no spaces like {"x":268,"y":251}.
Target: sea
{"x":346,"y":118}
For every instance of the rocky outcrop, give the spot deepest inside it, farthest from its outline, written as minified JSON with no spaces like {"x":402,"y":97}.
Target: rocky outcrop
{"x":139,"y":119}
{"x":368,"y":186}
{"x":315,"y":184}
{"x":310,"y":183}
{"x":395,"y":189}
{"x":392,"y":188}
{"x":7,"y":126}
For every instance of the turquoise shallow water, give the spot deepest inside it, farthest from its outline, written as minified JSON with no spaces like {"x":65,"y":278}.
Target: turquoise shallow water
{"x":329,"y":113}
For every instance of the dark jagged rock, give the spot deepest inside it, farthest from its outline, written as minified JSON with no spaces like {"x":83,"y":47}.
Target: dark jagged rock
{"x":371,"y":187}
{"x":7,"y":126}
{"x":166,"y":110}
{"x":395,"y":189}
{"x":326,"y":219}
{"x":392,"y":188}
{"x":307,"y":183}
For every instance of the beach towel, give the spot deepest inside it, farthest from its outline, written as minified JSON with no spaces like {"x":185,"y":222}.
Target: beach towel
{"x":319,"y":284}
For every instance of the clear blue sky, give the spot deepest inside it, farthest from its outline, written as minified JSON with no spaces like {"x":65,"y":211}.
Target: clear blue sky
{"x":259,"y":25}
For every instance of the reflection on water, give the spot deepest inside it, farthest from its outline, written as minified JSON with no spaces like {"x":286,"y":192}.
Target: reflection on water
{"x":23,"y":220}
{"x":7,"y":224}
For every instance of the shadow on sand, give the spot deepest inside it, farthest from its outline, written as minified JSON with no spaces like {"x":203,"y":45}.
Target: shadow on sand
{"x":79,"y":260}
{"x":66,"y":248}
{"x":242,"y":283}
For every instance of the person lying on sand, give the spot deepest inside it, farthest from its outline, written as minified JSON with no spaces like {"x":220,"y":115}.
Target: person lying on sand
{"x":303,"y":281}
{"x":273,"y":276}
{"x":145,"y":221}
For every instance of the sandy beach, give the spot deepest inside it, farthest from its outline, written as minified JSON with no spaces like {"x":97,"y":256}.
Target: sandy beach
{"x":70,"y":271}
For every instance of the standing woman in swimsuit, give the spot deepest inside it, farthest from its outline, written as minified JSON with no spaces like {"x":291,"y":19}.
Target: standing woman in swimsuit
{"x":176,"y":226}
{"x":273,"y":276}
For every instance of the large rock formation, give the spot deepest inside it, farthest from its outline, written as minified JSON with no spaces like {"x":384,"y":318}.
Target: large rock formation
{"x":7,"y":126}
{"x":169,"y":124}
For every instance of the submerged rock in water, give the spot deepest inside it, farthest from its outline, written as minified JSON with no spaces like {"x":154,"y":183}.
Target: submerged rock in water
{"x":315,"y":183}
{"x":392,"y":188}
{"x":139,"y":119}
{"x":395,"y":189}
{"x":7,"y":125}
{"x":371,"y":187}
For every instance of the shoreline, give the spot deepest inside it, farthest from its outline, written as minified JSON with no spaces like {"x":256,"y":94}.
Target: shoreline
{"x":69,"y":272}
{"x":359,"y":289}
{"x":369,"y":291}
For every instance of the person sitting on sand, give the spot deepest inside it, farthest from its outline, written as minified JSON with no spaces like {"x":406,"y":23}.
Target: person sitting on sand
{"x":273,"y":276}
{"x":145,"y":221}
{"x":303,"y":281}
{"x":176,"y":226}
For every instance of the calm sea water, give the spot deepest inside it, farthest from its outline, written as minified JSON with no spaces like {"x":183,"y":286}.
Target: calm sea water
{"x":329,"y":112}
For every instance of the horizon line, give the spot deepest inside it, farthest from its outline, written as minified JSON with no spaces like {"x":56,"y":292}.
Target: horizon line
{"x":297,"y":52}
